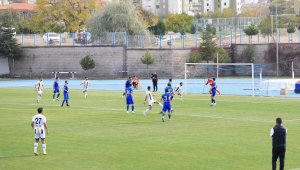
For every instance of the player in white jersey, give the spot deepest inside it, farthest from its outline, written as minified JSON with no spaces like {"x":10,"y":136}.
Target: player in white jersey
{"x":40,"y":128}
{"x":150,"y":100}
{"x":39,"y":87}
{"x":85,"y":84}
{"x":177,"y":90}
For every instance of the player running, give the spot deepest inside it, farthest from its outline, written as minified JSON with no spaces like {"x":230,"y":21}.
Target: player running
{"x":209,"y":82}
{"x":177,"y":90}
{"x":213,"y":92}
{"x":150,"y":100}
{"x":40,"y":128}
{"x":85,"y":89}
{"x":56,"y":89}
{"x":129,"y":98}
{"x":66,"y":94}
{"x":167,"y":104}
{"x":170,"y":91}
{"x":39,"y":87}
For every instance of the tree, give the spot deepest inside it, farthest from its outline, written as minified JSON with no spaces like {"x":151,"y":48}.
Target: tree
{"x":249,"y":54}
{"x":175,"y":22}
{"x":255,"y":10}
{"x":87,"y":63}
{"x":250,"y":31}
{"x":290,"y":30}
{"x":226,"y":13}
{"x":147,"y":59}
{"x":9,"y":47}
{"x":208,"y":47}
{"x":117,"y":17}
{"x":195,"y":57}
{"x":223,"y":56}
{"x":159,"y":28}
{"x":148,"y":17}
{"x":193,"y":28}
{"x":59,"y":16}
{"x":265,"y":26}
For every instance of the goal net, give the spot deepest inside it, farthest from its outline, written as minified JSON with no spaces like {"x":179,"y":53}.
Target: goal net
{"x":231,"y":78}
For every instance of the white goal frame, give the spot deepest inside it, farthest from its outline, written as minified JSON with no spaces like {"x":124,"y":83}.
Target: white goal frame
{"x":222,"y":64}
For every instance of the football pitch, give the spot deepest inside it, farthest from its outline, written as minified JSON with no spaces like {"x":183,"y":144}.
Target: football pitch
{"x":97,"y":133}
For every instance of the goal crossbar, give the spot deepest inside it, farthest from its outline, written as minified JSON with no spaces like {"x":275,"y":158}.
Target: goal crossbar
{"x":222,"y":64}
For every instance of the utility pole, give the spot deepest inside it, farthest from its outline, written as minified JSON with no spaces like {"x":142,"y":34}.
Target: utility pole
{"x":277,"y":33}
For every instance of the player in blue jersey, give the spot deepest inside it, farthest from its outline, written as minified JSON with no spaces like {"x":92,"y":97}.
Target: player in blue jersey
{"x":56,"y":89}
{"x":66,"y":94}
{"x":170,"y":91}
{"x":127,"y":84}
{"x":213,"y":92}
{"x":129,"y":98}
{"x":167,"y":104}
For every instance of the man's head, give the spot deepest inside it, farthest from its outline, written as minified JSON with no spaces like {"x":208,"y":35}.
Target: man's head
{"x":56,"y":78}
{"x":66,"y":82}
{"x":149,"y":88}
{"x":278,"y":121}
{"x":129,"y":78}
{"x":170,"y":80}
{"x":86,"y":78}
{"x":166,"y":90}
{"x":40,"y":110}
{"x":181,"y":83}
{"x":169,"y":84}
{"x":214,"y":79}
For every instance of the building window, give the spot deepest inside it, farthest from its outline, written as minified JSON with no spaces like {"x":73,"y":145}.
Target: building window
{"x":224,"y":3}
{"x":207,"y":10}
{"x":207,"y":4}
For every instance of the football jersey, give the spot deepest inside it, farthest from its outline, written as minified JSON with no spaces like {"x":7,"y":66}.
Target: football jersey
{"x":38,"y":121}
{"x":129,"y":91}
{"x":149,"y":96}
{"x":178,"y":88}
{"x":170,"y":89}
{"x":66,"y":89}
{"x":40,"y":85}
{"x":166,"y":98}
{"x":56,"y":85}
{"x":85,"y":84}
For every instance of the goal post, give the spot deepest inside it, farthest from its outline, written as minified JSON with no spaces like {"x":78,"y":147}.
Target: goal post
{"x":217,"y":66}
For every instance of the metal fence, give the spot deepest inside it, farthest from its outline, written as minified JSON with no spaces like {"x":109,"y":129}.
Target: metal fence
{"x":222,"y":38}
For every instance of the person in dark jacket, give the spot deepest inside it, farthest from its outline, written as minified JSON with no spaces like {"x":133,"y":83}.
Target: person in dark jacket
{"x":154,"y":81}
{"x":278,"y":134}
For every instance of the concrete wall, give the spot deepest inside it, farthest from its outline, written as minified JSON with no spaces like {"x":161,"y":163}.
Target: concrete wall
{"x":111,"y":62}
{"x":37,"y":61}
{"x":4,"y":66}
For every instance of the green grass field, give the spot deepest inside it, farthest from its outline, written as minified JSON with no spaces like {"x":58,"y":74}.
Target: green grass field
{"x":97,"y":133}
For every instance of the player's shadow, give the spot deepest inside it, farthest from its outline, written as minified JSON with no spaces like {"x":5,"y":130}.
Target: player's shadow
{"x":16,"y":156}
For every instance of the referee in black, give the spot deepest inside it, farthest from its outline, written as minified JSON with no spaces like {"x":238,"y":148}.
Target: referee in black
{"x":278,"y":134}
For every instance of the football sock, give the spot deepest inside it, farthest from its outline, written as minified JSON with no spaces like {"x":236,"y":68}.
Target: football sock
{"x":169,"y":115}
{"x":67,"y":102}
{"x":127,"y":107}
{"x":35,"y":147}
{"x":44,"y":148}
{"x":58,"y":95}
{"x":62,"y":104}
{"x":132,"y":107}
{"x":212,"y":100}
{"x":147,"y":111}
{"x":53,"y":95}
{"x":160,"y":104}
{"x":85,"y":94}
{"x":38,"y":98}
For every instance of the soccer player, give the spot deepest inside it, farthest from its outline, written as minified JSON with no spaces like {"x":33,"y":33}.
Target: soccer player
{"x":85,"y":84}
{"x":39,"y":87}
{"x":167,"y":104}
{"x":178,"y":90}
{"x":127,"y":83}
{"x":56,"y":89}
{"x":40,"y":129}
{"x":66,"y":94}
{"x":209,"y":82}
{"x":170,"y":91}
{"x":213,"y":92}
{"x":150,"y":100}
{"x":129,"y":98}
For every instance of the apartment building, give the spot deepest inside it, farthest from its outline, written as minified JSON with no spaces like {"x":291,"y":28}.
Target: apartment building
{"x":297,"y":7}
{"x":220,"y":5}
